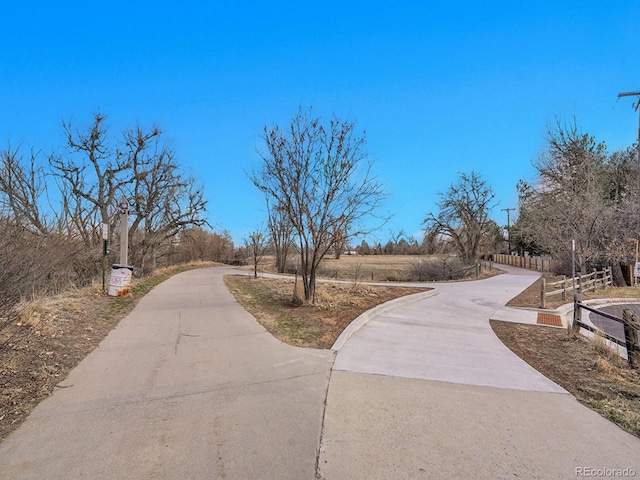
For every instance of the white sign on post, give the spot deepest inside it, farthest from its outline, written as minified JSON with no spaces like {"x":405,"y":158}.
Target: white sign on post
{"x":105,"y":231}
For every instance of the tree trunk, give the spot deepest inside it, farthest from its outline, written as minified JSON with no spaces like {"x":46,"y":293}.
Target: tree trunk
{"x":310,"y":294}
{"x":279,"y":264}
{"x":618,"y":276}
{"x":281,"y":259}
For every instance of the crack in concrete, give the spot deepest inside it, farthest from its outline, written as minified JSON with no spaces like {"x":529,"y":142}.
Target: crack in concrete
{"x":188,"y":394}
{"x":320,"y":449}
{"x":181,"y":334}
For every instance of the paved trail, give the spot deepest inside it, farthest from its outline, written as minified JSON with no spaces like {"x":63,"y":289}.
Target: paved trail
{"x":188,"y":386}
{"x":428,"y":391}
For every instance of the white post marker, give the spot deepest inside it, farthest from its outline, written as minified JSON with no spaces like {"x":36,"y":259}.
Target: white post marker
{"x":105,"y":238}
{"x":124,"y":231}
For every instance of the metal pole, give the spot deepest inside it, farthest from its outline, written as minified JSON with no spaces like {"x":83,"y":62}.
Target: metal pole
{"x":635,"y":267}
{"x":573,"y":269}
{"x":124,"y":231}
{"x":105,"y":237}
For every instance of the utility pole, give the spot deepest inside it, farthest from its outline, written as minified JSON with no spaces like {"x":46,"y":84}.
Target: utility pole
{"x":636,"y":107}
{"x":508,"y":210}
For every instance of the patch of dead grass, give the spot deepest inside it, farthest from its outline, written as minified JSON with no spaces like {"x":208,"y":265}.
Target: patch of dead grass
{"x":587,"y":369}
{"x":315,"y":325}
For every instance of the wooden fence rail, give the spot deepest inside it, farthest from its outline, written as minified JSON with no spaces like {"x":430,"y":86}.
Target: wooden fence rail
{"x":584,"y":283}
{"x":631,"y":328}
{"x":532,"y":263}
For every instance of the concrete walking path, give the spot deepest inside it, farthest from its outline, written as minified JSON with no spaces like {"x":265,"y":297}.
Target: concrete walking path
{"x":188,"y":386}
{"x":426,"y":390}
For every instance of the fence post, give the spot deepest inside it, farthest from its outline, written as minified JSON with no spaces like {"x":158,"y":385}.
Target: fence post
{"x":631,"y":327}
{"x":580,"y":284}
{"x":543,"y":295}
{"x":564,"y":287}
{"x":577,"y":315}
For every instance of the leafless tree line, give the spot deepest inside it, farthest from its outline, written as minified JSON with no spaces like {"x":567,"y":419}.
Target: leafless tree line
{"x":53,"y":207}
{"x":463,"y":222}
{"x":585,"y":193}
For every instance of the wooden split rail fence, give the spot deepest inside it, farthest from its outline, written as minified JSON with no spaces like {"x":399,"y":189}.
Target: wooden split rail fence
{"x":532,"y":263}
{"x":631,"y":328}
{"x":584,"y":283}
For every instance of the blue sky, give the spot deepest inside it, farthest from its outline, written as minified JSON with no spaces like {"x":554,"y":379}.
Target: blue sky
{"x":439,"y":87}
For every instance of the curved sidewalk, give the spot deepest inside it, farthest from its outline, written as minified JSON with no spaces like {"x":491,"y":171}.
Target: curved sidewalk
{"x":427,"y":390}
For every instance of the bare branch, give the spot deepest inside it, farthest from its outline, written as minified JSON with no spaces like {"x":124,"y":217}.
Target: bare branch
{"x":310,"y":171}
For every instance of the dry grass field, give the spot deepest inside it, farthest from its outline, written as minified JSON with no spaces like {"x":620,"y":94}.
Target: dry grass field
{"x":372,"y":268}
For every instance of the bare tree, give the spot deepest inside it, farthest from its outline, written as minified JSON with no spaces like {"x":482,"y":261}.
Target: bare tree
{"x":164,"y":201}
{"x":256,"y":244}
{"x":463,"y":219}
{"x":340,"y":242}
{"x":280,"y":230}
{"x":196,"y":243}
{"x":621,"y":180}
{"x":310,"y":170}
{"x":49,"y":257}
{"x":91,"y":177}
{"x":431,"y":242}
{"x":568,"y":201}
{"x":581,"y":193}
{"x":22,"y":188}
{"x":396,"y":238}
{"x":97,"y":171}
